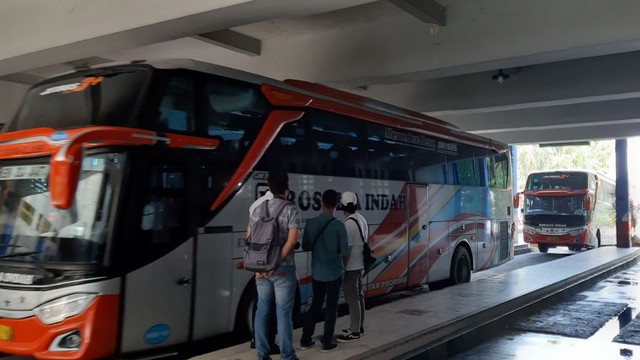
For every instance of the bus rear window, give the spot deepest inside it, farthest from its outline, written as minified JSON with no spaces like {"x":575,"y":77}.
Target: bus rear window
{"x":97,"y":98}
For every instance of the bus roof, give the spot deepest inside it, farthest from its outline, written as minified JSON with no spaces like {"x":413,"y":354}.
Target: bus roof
{"x":318,"y":95}
{"x":598,"y":174}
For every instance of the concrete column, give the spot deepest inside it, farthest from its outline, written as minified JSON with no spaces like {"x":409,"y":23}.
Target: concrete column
{"x":622,"y":195}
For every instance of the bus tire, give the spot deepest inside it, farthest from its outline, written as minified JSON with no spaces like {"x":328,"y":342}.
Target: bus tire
{"x":244,"y":314}
{"x":543,"y":248}
{"x":460,"y":267}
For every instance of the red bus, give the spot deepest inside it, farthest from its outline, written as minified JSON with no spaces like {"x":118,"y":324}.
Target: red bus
{"x":125,"y":191}
{"x":572,"y":208}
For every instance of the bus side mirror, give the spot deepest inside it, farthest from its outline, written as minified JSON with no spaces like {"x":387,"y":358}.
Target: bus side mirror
{"x":516,"y":200}
{"x":64,"y":175}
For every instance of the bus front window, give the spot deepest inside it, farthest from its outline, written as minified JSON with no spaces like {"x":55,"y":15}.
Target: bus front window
{"x":554,"y":205}
{"x":32,"y":230}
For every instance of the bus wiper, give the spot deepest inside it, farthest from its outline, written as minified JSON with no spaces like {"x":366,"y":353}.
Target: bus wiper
{"x":26,"y":253}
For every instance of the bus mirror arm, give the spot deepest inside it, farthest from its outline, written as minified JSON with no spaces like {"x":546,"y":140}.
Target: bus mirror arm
{"x":587,"y":203}
{"x":64,"y":176}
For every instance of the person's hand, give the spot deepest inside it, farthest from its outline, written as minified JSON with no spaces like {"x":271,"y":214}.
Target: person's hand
{"x":263,"y":275}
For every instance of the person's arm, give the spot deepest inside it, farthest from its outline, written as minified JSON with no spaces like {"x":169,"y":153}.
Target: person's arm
{"x":290,"y":245}
{"x":306,"y":238}
{"x":345,"y":247}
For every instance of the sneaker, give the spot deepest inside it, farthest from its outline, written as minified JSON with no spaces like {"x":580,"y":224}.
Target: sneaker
{"x":350,"y":337}
{"x":328,"y":347}
{"x":347,"y":331}
{"x":307,"y":346}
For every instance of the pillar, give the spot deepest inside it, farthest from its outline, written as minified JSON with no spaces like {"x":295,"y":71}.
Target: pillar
{"x":622,"y":195}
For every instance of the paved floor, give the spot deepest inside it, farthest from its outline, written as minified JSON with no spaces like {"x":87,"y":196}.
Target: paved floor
{"x":428,"y":323}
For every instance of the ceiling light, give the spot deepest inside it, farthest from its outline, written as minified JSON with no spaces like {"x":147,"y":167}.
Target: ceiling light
{"x":500,"y":76}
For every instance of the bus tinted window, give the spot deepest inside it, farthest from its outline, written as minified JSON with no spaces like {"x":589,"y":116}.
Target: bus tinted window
{"x":99,"y":98}
{"x":558,"y":180}
{"x":177,"y":105}
{"x":498,"y":167}
{"x":235,"y":112}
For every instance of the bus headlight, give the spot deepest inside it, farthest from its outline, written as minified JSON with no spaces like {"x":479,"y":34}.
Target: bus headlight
{"x":530,"y":230}
{"x":576,"y":231}
{"x":59,"y":309}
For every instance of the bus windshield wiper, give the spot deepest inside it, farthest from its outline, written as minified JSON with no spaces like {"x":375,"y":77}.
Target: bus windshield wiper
{"x":26,"y":253}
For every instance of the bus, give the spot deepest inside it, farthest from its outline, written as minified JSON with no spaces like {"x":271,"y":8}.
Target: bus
{"x":572,"y":208}
{"x":125,"y":189}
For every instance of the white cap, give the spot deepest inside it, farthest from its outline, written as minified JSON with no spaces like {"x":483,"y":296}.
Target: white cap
{"x":348,"y":197}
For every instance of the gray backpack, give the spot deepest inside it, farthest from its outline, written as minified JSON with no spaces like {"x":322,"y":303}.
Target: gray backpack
{"x":263,"y":248}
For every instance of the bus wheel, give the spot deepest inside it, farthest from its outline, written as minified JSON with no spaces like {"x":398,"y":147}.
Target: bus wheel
{"x":460,"y":267}
{"x":543,"y":248}
{"x":244,"y":314}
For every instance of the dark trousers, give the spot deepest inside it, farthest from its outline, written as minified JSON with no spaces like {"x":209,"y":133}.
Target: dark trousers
{"x":329,"y":290}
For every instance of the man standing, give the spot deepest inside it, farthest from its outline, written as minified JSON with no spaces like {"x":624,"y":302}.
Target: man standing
{"x":279,"y":285}
{"x":326,"y":238}
{"x":272,"y":322}
{"x":358,"y":232}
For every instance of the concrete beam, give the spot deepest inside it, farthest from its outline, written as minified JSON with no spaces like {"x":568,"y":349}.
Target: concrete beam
{"x":587,"y":121}
{"x":428,"y":11}
{"x":584,"y":80}
{"x":232,"y":40}
{"x":491,"y":34}
{"x":42,"y":34}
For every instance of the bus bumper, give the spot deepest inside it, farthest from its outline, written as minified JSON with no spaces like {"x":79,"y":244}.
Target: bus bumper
{"x":95,"y":329}
{"x":559,"y":240}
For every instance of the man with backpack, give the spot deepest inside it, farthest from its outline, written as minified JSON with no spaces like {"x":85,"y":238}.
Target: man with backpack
{"x":358,"y":232}
{"x":277,"y":285}
{"x":326,"y":238}
{"x":275,"y":349}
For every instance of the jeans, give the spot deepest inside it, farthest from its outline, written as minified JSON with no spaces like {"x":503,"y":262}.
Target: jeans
{"x":322,"y":289}
{"x":281,"y":288}
{"x":354,"y":297}
{"x":272,"y":323}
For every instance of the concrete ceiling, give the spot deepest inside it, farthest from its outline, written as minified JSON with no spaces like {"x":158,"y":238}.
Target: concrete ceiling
{"x":572,"y":65}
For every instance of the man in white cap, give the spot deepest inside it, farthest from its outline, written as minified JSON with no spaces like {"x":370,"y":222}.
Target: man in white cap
{"x":358,"y":233}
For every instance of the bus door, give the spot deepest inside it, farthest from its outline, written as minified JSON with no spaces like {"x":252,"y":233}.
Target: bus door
{"x":158,"y":285}
{"x":388,"y":240}
{"x":418,"y":222}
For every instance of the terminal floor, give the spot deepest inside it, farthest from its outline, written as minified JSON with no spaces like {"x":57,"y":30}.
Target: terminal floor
{"x":433,"y":320}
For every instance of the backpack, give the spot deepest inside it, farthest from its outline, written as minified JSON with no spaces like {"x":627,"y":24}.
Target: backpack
{"x":263,"y":247}
{"x":367,"y":259}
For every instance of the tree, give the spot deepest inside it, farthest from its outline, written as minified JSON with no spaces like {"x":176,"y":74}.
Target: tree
{"x":598,"y":156}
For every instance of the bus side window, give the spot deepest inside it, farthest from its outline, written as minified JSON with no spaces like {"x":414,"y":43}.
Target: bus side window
{"x":163,"y":215}
{"x":176,"y":107}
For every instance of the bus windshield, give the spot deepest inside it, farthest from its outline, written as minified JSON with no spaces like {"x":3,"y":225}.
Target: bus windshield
{"x":554,"y":205}
{"x":557,"y":181}
{"x":34,"y":231}
{"x":99,"y":97}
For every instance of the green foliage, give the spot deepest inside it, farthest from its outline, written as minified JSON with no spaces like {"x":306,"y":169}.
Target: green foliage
{"x":597,"y":157}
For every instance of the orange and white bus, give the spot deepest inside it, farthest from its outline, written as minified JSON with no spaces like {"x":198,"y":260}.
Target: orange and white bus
{"x":572,"y":208}
{"x":125,"y":189}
